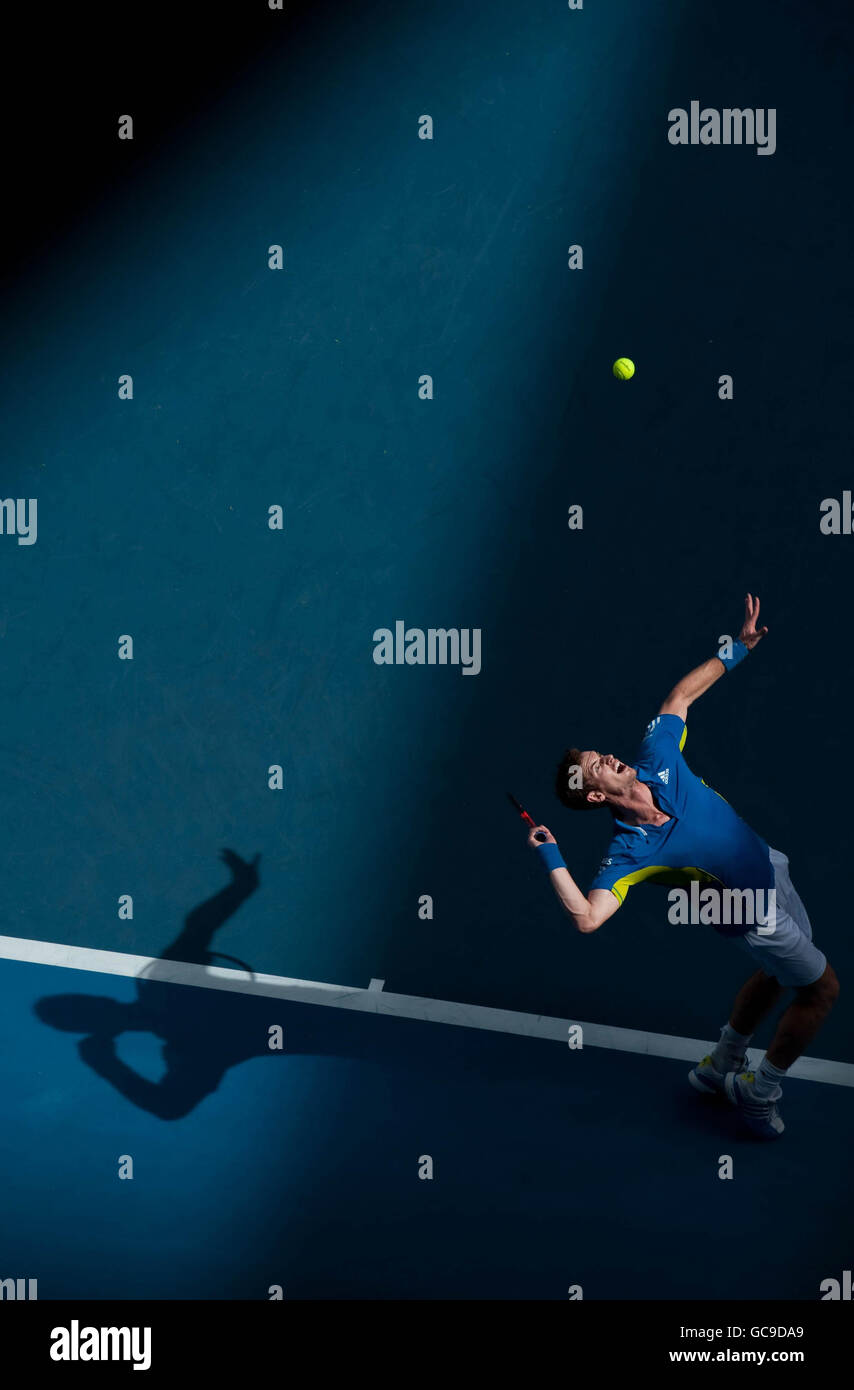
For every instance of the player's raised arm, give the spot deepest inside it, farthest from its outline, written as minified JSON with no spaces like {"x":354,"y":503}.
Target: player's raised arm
{"x":698,"y":681}
{"x":588,"y":913}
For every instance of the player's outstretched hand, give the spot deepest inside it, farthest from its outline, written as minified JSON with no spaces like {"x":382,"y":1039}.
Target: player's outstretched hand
{"x":751,"y":634}
{"x":540,"y":835}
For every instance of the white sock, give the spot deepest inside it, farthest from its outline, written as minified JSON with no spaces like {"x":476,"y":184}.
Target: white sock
{"x":730,"y":1050}
{"x":766,"y":1080}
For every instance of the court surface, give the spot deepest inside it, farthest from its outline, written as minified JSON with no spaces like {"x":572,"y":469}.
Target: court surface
{"x":552,"y":1167}
{"x":253,"y":649}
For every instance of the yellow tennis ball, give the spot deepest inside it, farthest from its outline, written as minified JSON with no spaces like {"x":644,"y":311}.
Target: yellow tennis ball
{"x":624,"y":368}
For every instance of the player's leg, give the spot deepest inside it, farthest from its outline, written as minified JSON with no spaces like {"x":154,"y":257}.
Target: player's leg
{"x":755,"y":999}
{"x":802,"y":1020}
{"x":756,"y":1093}
{"x":789,"y":953}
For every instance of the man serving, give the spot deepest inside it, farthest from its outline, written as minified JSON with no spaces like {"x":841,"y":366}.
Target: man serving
{"x":671,"y":828}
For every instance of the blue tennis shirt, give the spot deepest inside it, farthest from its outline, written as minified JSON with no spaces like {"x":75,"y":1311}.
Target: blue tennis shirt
{"x":704,"y":838}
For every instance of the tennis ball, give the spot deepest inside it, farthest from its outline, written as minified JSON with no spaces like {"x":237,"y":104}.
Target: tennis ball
{"x":624,"y":368}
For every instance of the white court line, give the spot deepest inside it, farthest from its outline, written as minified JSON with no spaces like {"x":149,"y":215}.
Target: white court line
{"x":376,"y":1001}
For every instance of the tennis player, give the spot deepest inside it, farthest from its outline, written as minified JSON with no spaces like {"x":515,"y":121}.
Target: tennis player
{"x":670,"y":827}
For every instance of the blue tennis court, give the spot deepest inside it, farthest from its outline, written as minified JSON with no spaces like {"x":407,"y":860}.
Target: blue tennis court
{"x":552,"y":1168}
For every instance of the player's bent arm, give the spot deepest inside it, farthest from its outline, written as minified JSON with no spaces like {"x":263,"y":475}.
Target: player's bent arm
{"x":588,"y":913}
{"x":692,"y":686}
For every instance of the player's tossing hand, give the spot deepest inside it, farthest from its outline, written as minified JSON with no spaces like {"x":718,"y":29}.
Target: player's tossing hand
{"x":540,"y":835}
{"x":751,"y":634}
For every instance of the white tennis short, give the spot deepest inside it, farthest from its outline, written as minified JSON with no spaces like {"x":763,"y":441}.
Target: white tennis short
{"x":788,"y":953}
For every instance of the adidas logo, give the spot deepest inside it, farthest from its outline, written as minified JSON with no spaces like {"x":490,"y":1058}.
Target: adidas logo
{"x":664,"y":775}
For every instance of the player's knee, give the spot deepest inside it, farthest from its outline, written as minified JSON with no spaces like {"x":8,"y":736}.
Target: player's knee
{"x":831,"y":985}
{"x":825,"y":990}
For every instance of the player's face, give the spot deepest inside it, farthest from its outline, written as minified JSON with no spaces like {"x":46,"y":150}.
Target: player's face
{"x":603,"y":772}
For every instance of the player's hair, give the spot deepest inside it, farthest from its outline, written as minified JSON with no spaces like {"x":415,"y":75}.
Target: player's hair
{"x":573,"y":797}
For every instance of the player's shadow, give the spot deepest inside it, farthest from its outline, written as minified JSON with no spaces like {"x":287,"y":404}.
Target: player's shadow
{"x":207,"y":1030}
{"x":204,"y":1031}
